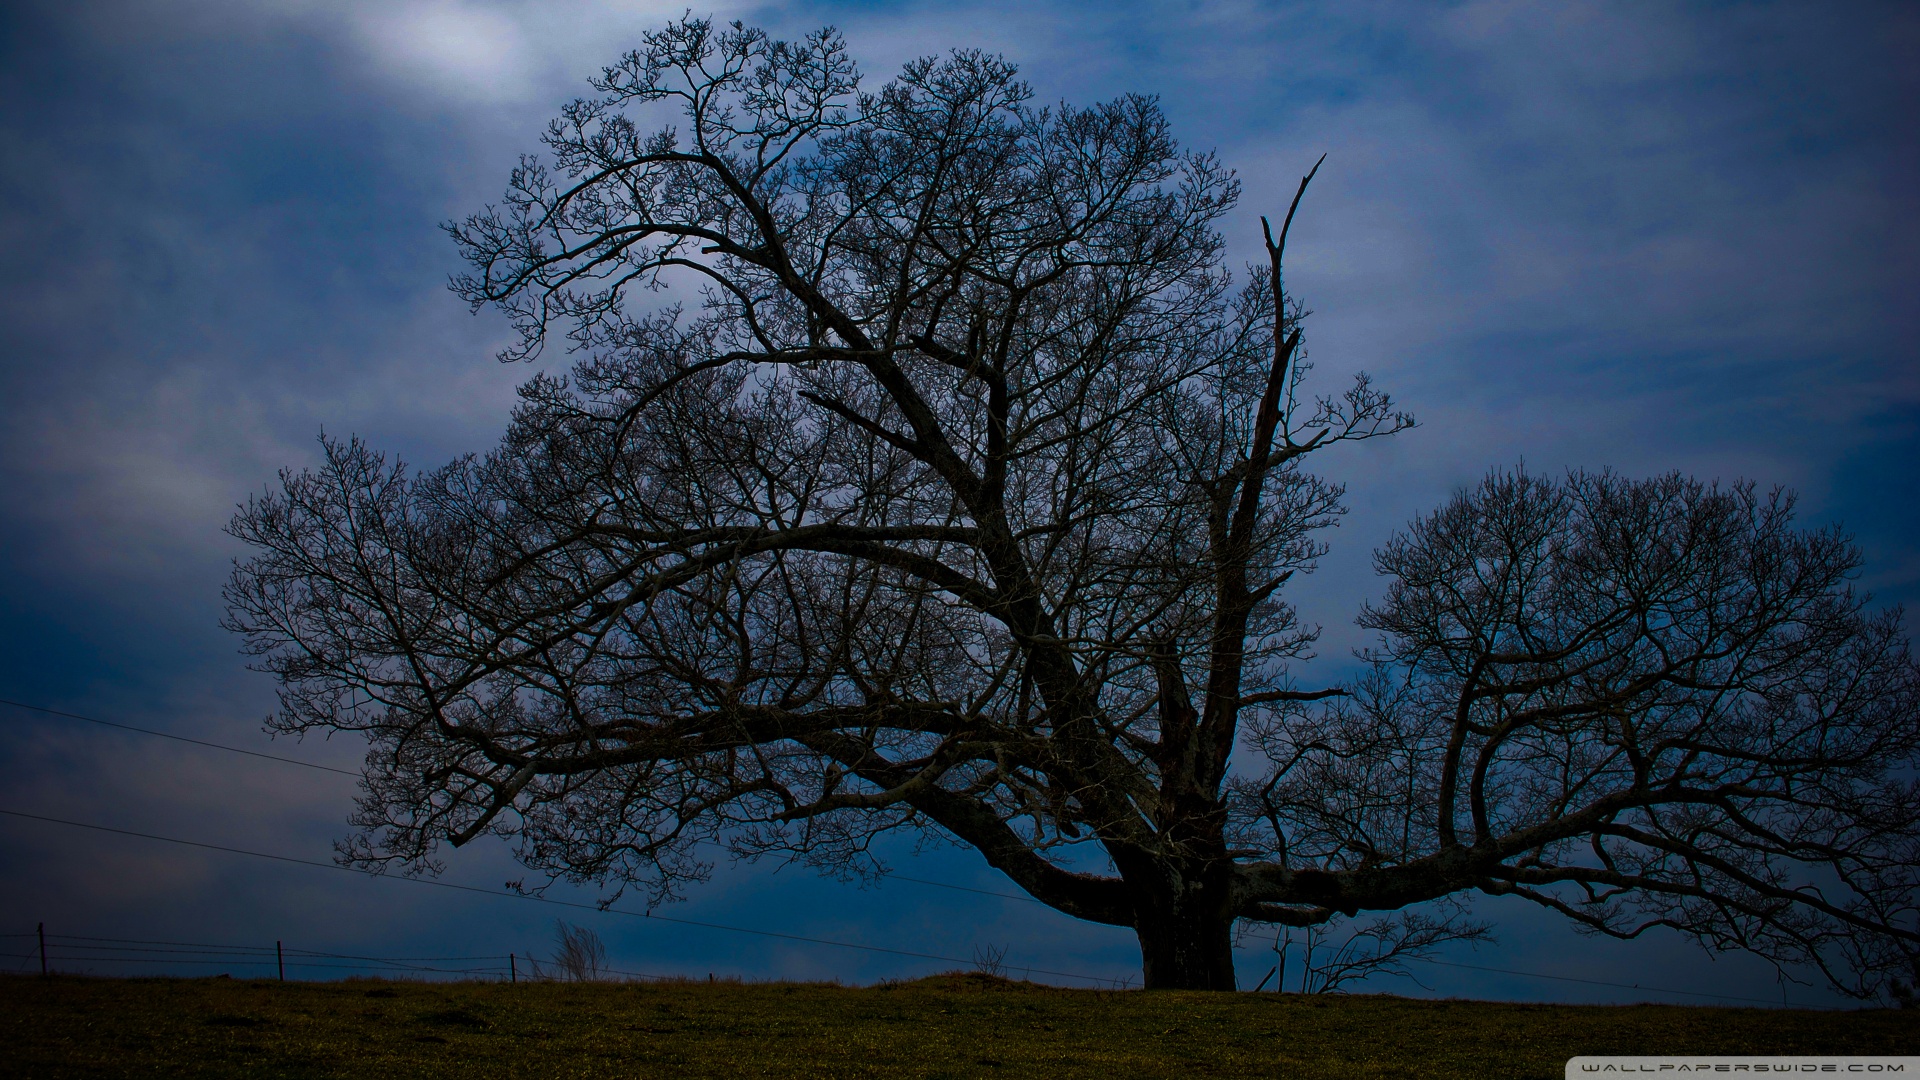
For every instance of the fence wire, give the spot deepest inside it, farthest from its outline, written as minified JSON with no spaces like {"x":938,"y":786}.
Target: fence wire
{"x":66,"y":952}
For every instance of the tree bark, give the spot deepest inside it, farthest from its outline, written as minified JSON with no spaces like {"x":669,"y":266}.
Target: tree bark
{"x":1185,"y":925}
{"x":1182,"y":948}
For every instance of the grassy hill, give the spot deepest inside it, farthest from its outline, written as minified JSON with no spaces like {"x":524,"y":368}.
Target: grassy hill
{"x":945,"y":1026}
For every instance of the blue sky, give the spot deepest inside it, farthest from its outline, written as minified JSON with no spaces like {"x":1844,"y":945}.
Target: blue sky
{"x":1638,"y":237}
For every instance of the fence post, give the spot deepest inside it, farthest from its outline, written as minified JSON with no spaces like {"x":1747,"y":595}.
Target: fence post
{"x":280,"y":958}
{"x":513,"y":969}
{"x":42,"y":931}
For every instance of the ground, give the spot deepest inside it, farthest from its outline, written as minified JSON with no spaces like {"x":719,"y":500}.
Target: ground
{"x":944,"y":1026}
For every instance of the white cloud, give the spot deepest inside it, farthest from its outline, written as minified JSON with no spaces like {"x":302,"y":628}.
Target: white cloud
{"x":469,"y":52}
{"x":479,"y":53}
{"x":460,"y":54}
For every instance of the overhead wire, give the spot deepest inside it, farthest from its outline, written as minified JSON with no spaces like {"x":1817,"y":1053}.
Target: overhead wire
{"x":532,"y":897}
{"x":178,"y":738}
{"x":349,"y":772}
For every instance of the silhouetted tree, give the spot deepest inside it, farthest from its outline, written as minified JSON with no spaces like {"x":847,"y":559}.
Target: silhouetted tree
{"x":963,"y":502}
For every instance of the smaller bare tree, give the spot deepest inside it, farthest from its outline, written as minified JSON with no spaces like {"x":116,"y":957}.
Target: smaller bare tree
{"x":990,"y":960}
{"x":579,"y":956}
{"x":1335,"y":953}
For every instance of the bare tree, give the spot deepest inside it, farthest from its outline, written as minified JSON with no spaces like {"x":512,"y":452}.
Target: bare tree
{"x":1337,"y":952}
{"x":990,"y":960}
{"x":963,"y":502}
{"x":578,"y":955}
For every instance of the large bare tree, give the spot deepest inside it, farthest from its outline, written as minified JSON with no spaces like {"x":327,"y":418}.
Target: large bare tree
{"x":962,"y":501}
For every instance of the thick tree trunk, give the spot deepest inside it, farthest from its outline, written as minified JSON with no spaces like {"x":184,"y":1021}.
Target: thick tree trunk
{"x":1185,"y":944}
{"x":1185,"y":949}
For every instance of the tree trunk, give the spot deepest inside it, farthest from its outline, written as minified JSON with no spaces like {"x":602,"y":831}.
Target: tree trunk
{"x":1185,"y":949}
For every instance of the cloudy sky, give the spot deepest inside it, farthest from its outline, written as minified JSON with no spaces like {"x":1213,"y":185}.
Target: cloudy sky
{"x":1640,"y":237}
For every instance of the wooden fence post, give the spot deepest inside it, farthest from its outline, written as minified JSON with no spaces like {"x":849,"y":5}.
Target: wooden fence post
{"x":280,"y":958}
{"x":42,"y":931}
{"x":513,"y":969}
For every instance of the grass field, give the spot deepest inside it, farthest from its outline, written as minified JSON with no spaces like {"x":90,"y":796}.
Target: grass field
{"x":945,"y":1026}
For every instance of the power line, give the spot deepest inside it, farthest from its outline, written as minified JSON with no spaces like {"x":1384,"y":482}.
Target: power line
{"x":964,"y":888}
{"x":179,"y":738}
{"x":348,"y":772}
{"x":529,"y":896}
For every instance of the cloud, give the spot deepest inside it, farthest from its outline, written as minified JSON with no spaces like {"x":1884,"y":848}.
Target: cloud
{"x":469,"y":52}
{"x":466,"y":54}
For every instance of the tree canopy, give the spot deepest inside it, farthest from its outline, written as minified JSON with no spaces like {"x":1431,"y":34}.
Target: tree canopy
{"x":963,"y":500}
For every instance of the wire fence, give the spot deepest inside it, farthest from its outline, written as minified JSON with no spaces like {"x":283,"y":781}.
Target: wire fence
{"x":79,"y":954}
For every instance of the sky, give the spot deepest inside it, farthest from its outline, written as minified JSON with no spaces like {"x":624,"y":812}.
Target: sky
{"x":1643,"y":237}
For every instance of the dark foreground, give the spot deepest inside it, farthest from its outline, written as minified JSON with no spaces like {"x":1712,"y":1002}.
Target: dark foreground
{"x":946,"y":1026}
